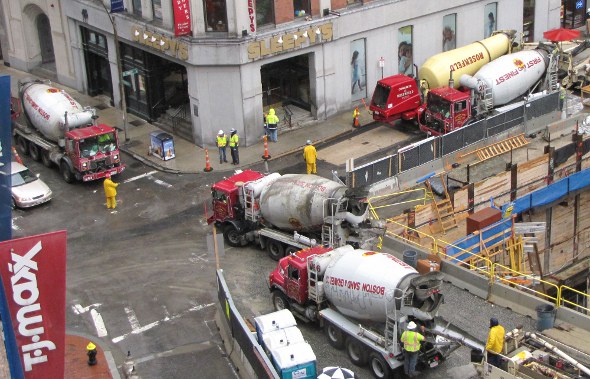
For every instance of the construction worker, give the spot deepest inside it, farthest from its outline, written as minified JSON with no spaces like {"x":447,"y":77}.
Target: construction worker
{"x":355,"y":118}
{"x":411,"y":340}
{"x":272,"y":124}
{"x":310,"y":155}
{"x":91,"y":352}
{"x":495,"y":342}
{"x":234,"y":142}
{"x":110,"y":191}
{"x":221,"y":143}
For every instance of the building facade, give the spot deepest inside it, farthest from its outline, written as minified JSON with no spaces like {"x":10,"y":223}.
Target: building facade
{"x":218,"y":64}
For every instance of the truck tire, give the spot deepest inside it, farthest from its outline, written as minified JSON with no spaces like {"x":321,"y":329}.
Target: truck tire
{"x":279,"y":300}
{"x":35,"y":152}
{"x":291,"y":250}
{"x":66,"y":173}
{"x":45,"y":158}
{"x":335,"y":336}
{"x":22,"y":145}
{"x":379,"y":367}
{"x":232,"y":236}
{"x":275,"y":249}
{"x":357,"y":353}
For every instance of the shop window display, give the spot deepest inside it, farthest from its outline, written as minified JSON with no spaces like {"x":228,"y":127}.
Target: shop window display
{"x":216,"y":13}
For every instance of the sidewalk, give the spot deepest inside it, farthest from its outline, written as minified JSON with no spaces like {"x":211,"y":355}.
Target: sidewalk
{"x":189,"y":157}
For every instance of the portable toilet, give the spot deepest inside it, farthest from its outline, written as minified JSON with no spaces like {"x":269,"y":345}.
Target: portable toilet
{"x":281,"y":338}
{"x":295,"y":361}
{"x":273,"y":321}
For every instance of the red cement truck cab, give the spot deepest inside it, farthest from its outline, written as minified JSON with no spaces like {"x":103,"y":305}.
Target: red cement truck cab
{"x":225,"y":196}
{"x":395,"y":97}
{"x":94,"y":151}
{"x":445,"y":110}
{"x":291,"y":275}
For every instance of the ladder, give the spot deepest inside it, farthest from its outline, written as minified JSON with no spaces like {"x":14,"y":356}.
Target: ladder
{"x":250,"y":211}
{"x":312,"y":280}
{"x":337,"y":207}
{"x":327,"y":234}
{"x":445,"y":213}
{"x":498,"y":148}
{"x":488,"y":99}
{"x":552,"y":81}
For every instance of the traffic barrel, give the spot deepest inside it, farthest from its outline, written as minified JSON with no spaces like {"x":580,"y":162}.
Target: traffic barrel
{"x":208,"y":167}
{"x":266,"y":156}
{"x":16,"y":156}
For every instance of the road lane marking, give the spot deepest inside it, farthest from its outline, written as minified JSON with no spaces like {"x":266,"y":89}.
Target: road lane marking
{"x":78,"y":309}
{"x":101,"y":329}
{"x":133,"y":321}
{"x":162,"y":183}
{"x":136,"y":328}
{"x":140,"y":176}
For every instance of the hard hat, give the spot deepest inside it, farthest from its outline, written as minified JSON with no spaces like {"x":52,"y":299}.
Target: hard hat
{"x":220,"y":131}
{"x":493,"y":322}
{"x":108,"y":175}
{"x":309,"y":142}
{"x":232,"y":130}
{"x":411,"y":325}
{"x":90,"y":346}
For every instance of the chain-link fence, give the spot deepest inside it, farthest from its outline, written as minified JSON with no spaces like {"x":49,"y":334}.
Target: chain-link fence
{"x":434,"y":148}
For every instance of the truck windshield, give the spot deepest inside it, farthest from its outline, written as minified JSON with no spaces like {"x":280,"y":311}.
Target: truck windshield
{"x":437,"y":104}
{"x":88,"y":147}
{"x":218,"y":195}
{"x":106,"y":142}
{"x":380,"y":96}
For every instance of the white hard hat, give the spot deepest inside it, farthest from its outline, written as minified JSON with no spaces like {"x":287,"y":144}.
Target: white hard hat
{"x":309,"y":142}
{"x":220,"y":131}
{"x":411,"y":325}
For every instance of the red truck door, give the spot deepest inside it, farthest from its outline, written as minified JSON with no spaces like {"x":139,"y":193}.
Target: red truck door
{"x":295,"y":289}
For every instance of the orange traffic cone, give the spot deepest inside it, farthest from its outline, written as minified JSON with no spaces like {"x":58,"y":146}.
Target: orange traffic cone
{"x":265,"y":156}
{"x":16,"y":156}
{"x":208,"y":167}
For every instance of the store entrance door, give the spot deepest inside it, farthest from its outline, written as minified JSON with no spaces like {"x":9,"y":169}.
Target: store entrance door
{"x":287,"y":83}
{"x":45,"y":41}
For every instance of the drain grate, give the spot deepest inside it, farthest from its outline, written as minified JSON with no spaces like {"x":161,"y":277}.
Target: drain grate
{"x":137,"y":122}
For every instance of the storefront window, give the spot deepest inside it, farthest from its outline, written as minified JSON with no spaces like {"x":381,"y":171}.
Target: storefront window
{"x":528,"y":21}
{"x":264,"y":12}
{"x":575,"y":14}
{"x":216,"y":15}
{"x":405,"y":58}
{"x":157,"y":9}
{"x":302,"y":8}
{"x":449,"y":41}
{"x":137,"y":7}
{"x":490,"y":22}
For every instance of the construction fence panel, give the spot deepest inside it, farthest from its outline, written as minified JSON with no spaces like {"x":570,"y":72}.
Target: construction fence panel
{"x":240,"y":332}
{"x":409,"y":159}
{"x":474,"y":133}
{"x":504,"y":121}
{"x":373,"y":172}
{"x":453,"y":141}
{"x":428,"y":151}
{"x":540,"y":107}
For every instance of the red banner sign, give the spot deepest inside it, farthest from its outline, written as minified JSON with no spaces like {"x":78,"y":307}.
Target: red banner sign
{"x":182,"y":17}
{"x":33,"y":271}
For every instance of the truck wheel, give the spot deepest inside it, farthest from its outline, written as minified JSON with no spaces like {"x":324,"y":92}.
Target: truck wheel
{"x":22,"y":145}
{"x":275,"y":249}
{"x":335,"y":336}
{"x":356,"y":352}
{"x":291,"y":250}
{"x":66,"y":173}
{"x":232,"y":236}
{"x":279,"y":300}
{"x":379,"y":367}
{"x":45,"y":158}
{"x":34,"y":151}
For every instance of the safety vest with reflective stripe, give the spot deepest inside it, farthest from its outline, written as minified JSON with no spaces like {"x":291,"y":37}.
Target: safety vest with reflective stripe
{"x":411,"y":341}
{"x":234,"y":140}
{"x":221,"y":141}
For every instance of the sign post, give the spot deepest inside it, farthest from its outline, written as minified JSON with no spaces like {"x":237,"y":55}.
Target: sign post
{"x":381,"y":65}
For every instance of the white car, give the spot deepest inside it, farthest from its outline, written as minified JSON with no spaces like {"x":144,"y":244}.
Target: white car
{"x":27,"y":189}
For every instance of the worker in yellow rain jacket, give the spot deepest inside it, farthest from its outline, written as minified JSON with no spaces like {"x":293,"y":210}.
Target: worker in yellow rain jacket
{"x":495,"y":342}
{"x":310,"y":155}
{"x":411,"y":340}
{"x":110,"y":191}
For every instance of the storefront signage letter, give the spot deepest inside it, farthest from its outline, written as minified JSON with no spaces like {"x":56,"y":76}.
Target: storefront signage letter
{"x":251,"y":16}
{"x":157,"y":41}
{"x":271,"y":45}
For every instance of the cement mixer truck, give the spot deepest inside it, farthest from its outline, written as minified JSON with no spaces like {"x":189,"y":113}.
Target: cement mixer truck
{"x":364,"y":300}
{"x":55,"y":129}
{"x":286,"y":213}
{"x":480,"y":87}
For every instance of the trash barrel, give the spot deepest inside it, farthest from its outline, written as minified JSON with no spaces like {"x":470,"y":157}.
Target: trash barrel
{"x":410,"y":257}
{"x":476,"y":356}
{"x":545,"y":317}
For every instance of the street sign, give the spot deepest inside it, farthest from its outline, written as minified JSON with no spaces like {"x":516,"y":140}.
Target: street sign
{"x":133,"y":71}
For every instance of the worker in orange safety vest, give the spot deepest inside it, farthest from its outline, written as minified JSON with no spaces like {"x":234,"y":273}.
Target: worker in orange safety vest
{"x":411,"y":340}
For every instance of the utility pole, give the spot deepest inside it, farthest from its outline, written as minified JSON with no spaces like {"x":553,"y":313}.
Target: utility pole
{"x":119,"y":72}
